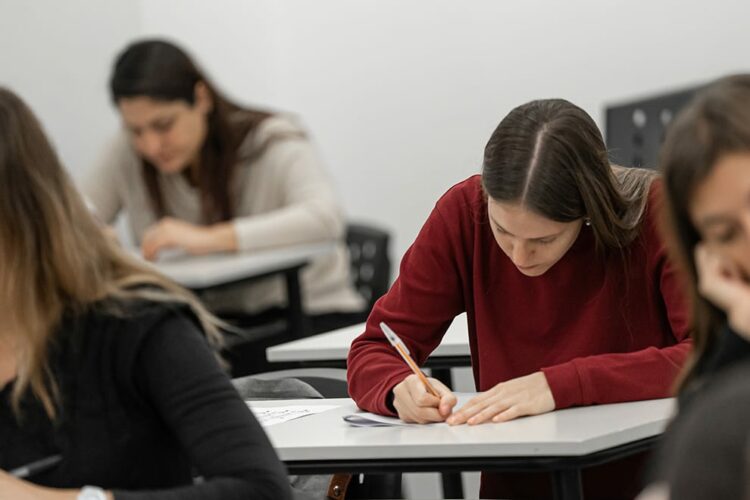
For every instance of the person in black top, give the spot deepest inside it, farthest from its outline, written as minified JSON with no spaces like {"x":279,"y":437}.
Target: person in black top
{"x":103,"y":361}
{"x":706,"y":167}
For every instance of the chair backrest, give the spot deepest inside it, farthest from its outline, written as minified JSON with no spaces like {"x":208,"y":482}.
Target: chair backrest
{"x":327,"y":382}
{"x":370,"y":264}
{"x":254,"y":387}
{"x":635,"y":130}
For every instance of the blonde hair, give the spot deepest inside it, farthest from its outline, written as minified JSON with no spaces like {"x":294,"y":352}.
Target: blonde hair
{"x":55,"y":257}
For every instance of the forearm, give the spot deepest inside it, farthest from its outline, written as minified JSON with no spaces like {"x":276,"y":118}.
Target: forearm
{"x":292,"y":225}
{"x":220,"y":237}
{"x":178,"y":373}
{"x":612,"y":378}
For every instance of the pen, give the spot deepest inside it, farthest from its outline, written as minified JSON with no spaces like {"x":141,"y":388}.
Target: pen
{"x":404,"y":352}
{"x":36,"y":467}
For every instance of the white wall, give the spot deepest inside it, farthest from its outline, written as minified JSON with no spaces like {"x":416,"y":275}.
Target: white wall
{"x":57,"y":56}
{"x":400,"y":95}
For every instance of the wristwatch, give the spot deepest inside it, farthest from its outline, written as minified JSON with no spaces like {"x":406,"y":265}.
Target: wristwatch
{"x":91,"y":493}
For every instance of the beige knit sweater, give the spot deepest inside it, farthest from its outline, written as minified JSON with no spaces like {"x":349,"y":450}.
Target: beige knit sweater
{"x":284,"y":197}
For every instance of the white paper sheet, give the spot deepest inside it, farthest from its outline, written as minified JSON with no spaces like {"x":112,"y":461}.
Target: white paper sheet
{"x":272,"y":415}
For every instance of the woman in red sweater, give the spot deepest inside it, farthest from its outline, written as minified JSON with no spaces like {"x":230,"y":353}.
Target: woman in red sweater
{"x":556,"y":257}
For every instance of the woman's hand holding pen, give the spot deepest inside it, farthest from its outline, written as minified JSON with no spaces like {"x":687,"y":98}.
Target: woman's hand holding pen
{"x":415,"y":404}
{"x":721,"y":282}
{"x":529,"y":395}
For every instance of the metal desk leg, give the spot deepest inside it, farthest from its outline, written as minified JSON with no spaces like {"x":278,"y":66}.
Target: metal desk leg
{"x":567,"y":484}
{"x":298,"y":323}
{"x":453,"y":485}
{"x":444,"y":375}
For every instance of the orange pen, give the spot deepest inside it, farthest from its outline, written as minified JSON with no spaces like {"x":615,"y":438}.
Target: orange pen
{"x":404,"y":352}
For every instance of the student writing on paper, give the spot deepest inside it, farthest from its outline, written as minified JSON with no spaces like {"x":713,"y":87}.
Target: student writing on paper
{"x":706,"y":165}
{"x":103,"y":361}
{"x":556,"y":257}
{"x":196,"y":172}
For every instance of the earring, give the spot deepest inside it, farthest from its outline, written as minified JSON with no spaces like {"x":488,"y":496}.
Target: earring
{"x":587,"y":221}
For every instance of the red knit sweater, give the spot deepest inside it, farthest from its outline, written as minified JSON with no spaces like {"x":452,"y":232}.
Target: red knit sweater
{"x":603,"y":329}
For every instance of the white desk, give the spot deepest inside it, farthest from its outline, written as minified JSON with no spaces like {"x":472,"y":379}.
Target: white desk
{"x":331,"y":349}
{"x":208,"y":271}
{"x":561,"y":442}
{"x":203,"y":272}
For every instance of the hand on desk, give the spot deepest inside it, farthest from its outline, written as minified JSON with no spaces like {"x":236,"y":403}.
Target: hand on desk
{"x":415,"y":405}
{"x":529,"y":395}
{"x":196,"y":240}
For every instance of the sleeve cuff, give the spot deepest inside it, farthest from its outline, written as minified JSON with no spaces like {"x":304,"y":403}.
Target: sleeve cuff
{"x":565,"y":384}
{"x":385,"y":403}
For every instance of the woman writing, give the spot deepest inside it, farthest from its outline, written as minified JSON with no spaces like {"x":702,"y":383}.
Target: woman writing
{"x":197,"y":173}
{"x":556,"y":258}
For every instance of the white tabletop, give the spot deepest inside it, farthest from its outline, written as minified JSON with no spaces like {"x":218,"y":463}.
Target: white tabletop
{"x":216,"y":269}
{"x":334,"y":346}
{"x":570,"y":432}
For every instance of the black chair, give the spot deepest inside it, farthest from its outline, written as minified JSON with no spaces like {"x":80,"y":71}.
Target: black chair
{"x":635,"y":130}
{"x":371,"y":274}
{"x":370,"y":263}
{"x":328,"y":382}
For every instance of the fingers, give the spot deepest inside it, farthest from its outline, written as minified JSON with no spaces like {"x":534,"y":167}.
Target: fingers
{"x":415,"y":404}
{"x":719,"y":280}
{"x":490,"y":411}
{"x":151,"y":246}
{"x":527,"y":395}
{"x":155,"y":239}
{"x":447,"y":398}
{"x":479,"y":409}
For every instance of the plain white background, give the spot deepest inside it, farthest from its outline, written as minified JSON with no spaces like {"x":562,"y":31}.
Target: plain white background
{"x":400,"y":96}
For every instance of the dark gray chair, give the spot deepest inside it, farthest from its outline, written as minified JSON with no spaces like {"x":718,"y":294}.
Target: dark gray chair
{"x":370,"y":263}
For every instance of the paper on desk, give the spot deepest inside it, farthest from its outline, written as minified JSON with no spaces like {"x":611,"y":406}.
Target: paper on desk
{"x":367,"y":419}
{"x":272,"y":415}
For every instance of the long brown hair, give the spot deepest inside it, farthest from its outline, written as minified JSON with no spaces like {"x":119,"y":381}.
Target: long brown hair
{"x":54,"y":256}
{"x":162,"y":71}
{"x":715,"y":123}
{"x":549,"y":156}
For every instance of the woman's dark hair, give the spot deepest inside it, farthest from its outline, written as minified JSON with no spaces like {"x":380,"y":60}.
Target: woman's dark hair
{"x":549,"y":156}
{"x":715,"y":123}
{"x":162,"y":71}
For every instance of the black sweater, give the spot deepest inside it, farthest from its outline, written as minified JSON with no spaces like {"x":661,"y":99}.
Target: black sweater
{"x":698,"y":409}
{"x":729,"y":350}
{"x":144,"y":407}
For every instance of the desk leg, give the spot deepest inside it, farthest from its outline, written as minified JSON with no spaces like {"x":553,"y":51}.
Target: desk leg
{"x":567,"y":484}
{"x":298,"y":323}
{"x":453,"y":486}
{"x":444,"y":375}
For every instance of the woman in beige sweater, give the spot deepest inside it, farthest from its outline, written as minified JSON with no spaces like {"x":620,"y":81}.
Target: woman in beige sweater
{"x":197,"y":173}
